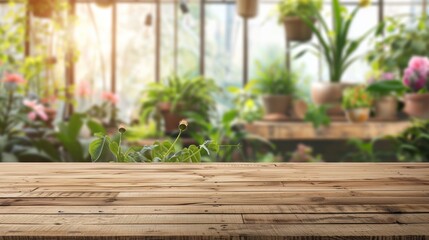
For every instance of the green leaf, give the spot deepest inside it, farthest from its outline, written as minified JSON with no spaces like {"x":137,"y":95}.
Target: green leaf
{"x":95,"y":127}
{"x":97,"y":147}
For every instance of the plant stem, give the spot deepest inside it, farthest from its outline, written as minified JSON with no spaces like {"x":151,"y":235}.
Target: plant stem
{"x":190,"y":157}
{"x":172,"y":145}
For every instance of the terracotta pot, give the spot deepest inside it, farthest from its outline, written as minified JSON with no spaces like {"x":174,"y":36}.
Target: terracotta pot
{"x":299,"y":109}
{"x":358,"y":115}
{"x":171,"y":119}
{"x":276,"y":104}
{"x":297,"y":29}
{"x":42,"y":8}
{"x":329,"y":94}
{"x":417,"y":105}
{"x":386,"y":108}
{"x":247,"y":8}
{"x":104,"y":3}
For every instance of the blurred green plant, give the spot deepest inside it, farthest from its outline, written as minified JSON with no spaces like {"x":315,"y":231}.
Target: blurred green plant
{"x":296,"y":8}
{"x":336,"y":46}
{"x":386,"y":88}
{"x":397,"y":41}
{"x":158,"y":152}
{"x":246,"y":103}
{"x":365,"y":151}
{"x":356,"y":97}
{"x":413,"y":144}
{"x":317,"y":116}
{"x":183,"y":93}
{"x":274,"y":79}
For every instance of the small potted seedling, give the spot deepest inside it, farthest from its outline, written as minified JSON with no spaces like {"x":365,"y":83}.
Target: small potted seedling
{"x":357,"y":104}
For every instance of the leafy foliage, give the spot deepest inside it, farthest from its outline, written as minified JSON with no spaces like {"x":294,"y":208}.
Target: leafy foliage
{"x":274,"y":79}
{"x":356,"y":97}
{"x":247,"y":105}
{"x":386,"y":88}
{"x":336,"y":46}
{"x":183,"y":93}
{"x":413,"y":143}
{"x":291,"y":8}
{"x":317,"y":115}
{"x":398,"y":40}
{"x":158,"y":152}
{"x":365,"y":151}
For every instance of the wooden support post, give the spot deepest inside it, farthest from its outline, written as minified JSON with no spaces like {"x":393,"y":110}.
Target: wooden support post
{"x":202,"y":37}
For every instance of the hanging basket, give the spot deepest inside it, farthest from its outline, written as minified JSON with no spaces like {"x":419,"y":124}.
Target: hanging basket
{"x":42,"y":8}
{"x":247,"y":8}
{"x":297,"y":30}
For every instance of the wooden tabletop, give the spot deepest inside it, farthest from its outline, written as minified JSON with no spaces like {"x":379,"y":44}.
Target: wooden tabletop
{"x":214,"y":201}
{"x":336,"y":131}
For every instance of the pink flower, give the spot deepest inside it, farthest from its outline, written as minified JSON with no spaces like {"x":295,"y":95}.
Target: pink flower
{"x":419,"y":63}
{"x":84,"y":89}
{"x":110,"y":97}
{"x":417,"y":74}
{"x":37,"y":110}
{"x":13,"y":78}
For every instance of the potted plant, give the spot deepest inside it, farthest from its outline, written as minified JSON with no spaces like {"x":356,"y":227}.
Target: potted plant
{"x":385,"y":90}
{"x":176,"y":96}
{"x":357,"y":104}
{"x":277,"y":86}
{"x":337,"y":49}
{"x":290,"y":12}
{"x":416,"y":78}
{"x":247,"y":8}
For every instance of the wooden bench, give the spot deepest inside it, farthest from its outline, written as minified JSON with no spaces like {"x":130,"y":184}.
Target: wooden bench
{"x":214,"y":201}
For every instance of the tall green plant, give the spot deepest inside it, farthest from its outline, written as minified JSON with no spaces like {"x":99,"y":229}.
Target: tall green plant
{"x":336,"y":46}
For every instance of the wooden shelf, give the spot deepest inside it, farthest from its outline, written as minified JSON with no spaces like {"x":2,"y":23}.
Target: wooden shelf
{"x":337,"y":130}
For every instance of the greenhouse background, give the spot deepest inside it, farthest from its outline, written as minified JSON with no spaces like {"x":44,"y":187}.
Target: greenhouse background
{"x":98,"y":58}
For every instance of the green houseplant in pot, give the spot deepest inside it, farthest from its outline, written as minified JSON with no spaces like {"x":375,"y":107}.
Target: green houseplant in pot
{"x":385,"y":90}
{"x":177,"y":95}
{"x":290,"y":12}
{"x":357,"y":104}
{"x":337,"y":49}
{"x":276,"y":84}
{"x":416,"y":78}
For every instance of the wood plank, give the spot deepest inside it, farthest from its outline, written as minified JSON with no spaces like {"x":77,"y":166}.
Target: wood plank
{"x":264,"y":230}
{"x":216,"y":209}
{"x":336,"y":218}
{"x":337,"y":130}
{"x":106,"y":219}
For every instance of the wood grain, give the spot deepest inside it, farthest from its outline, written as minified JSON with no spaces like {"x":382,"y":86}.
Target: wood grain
{"x":337,"y":130}
{"x":214,"y":201}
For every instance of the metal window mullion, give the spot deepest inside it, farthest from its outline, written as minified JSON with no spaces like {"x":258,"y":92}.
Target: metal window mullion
{"x":113,"y":53}
{"x":158,"y":42}
{"x":202,"y":36}
{"x":245,"y":51}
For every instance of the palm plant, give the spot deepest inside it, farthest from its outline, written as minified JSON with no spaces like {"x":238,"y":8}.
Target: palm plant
{"x":336,"y":46}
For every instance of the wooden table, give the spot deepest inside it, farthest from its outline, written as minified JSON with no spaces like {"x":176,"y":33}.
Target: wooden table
{"x":214,"y":201}
{"x":336,"y":131}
